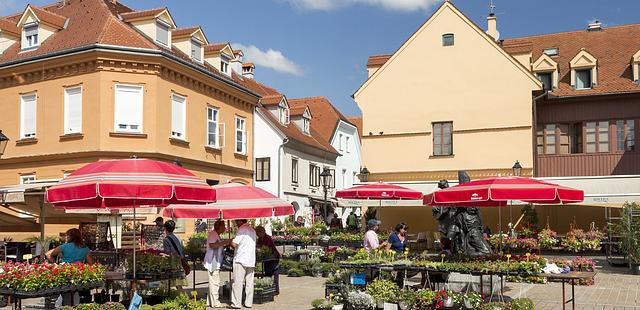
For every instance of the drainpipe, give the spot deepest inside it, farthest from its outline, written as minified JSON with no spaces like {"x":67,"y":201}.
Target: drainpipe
{"x":280,"y":151}
{"x":534,"y":131}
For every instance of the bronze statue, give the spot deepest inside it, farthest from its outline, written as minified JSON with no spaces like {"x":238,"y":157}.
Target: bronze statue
{"x":461,"y":225}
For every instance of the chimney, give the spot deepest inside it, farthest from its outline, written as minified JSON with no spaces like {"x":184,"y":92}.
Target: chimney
{"x":595,"y":26}
{"x":248,"y":70}
{"x":492,"y":27}
{"x":236,"y":62}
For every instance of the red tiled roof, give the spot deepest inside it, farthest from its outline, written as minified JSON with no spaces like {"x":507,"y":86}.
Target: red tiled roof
{"x":325,"y":115}
{"x":179,"y":32}
{"x":271,"y":99}
{"x":253,"y":85}
{"x":248,"y":64}
{"x":357,"y":121}
{"x":145,"y":13}
{"x":235,"y":52}
{"x":377,"y":60}
{"x":10,"y":27}
{"x":613,"y":47}
{"x":215,"y":47}
{"x":49,"y":17}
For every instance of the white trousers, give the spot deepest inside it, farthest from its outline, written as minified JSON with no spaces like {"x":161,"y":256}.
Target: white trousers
{"x":213,"y":299}
{"x":242,"y":275}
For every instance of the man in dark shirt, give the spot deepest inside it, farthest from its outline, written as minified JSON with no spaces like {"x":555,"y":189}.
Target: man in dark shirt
{"x":272,"y":266}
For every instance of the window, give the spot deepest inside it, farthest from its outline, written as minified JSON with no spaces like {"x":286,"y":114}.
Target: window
{"x":31,"y":35}
{"x":551,"y":51}
{"x":213,"y":137}
{"x":597,"y":137}
{"x":73,"y":110}
{"x":314,"y":175}
{"x":340,"y":142}
{"x":28,"y":116}
{"x":550,"y":138}
{"x":162,"y":33}
{"x":224,"y":64}
{"x":625,"y":135}
{"x":443,"y":139}
{"x":306,"y":124}
{"x":196,"y":50}
{"x":178,"y":116}
{"x":27,"y":178}
{"x":294,"y":170}
{"x":447,"y":39}
{"x":546,"y":79}
{"x":284,"y":115}
{"x":263,"y":169}
{"x":347,"y":142}
{"x":583,"y":79}
{"x":128,"y":108}
{"x":332,"y":183}
{"x":241,"y":135}
{"x":557,"y":139}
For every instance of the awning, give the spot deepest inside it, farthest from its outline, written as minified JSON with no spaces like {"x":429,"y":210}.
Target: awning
{"x":604,"y":191}
{"x":360,"y":203}
{"x":15,"y":193}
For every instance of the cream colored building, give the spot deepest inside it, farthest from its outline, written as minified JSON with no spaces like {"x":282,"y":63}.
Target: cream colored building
{"x":127,"y":83}
{"x":448,"y":99}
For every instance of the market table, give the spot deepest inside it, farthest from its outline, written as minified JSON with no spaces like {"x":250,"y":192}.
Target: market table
{"x":570,"y":277}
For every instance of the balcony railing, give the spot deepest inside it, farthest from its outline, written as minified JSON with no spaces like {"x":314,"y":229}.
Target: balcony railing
{"x":592,"y":164}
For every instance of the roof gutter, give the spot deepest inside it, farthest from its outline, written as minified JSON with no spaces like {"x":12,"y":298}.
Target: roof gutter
{"x":534,"y":125}
{"x":127,"y":50}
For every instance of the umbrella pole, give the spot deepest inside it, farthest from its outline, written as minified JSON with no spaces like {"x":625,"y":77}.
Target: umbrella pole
{"x":134,"y":239}
{"x":500,"y":227}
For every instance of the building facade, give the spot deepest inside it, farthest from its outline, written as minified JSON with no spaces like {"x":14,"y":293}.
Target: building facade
{"x":113,"y":83}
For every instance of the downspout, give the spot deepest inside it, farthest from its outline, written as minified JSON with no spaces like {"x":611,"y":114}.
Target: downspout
{"x":280,"y":151}
{"x":534,"y":129}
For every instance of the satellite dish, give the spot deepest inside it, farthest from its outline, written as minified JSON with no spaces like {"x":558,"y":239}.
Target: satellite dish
{"x":497,"y":38}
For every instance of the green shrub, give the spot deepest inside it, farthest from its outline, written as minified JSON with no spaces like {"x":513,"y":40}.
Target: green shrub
{"x":91,"y":306}
{"x":295,"y":272}
{"x":522,"y":304}
{"x":322,"y":304}
{"x":383,"y":290}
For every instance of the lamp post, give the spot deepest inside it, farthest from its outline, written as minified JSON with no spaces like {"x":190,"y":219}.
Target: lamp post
{"x":326,"y":181}
{"x":364,"y":174}
{"x":517,"y":171}
{"x":4,"y":140}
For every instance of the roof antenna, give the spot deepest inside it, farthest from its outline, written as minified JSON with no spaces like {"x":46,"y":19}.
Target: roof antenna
{"x":492,"y":8}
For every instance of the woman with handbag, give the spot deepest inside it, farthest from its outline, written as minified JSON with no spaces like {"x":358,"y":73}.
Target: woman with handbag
{"x":171,"y":245}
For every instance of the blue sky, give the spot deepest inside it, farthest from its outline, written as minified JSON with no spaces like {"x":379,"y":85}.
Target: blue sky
{"x":320,"y":47}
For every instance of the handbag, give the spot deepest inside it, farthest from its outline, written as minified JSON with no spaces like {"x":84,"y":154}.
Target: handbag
{"x":183,"y":262}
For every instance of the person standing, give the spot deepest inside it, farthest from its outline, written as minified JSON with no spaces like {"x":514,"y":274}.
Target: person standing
{"x":398,"y":238}
{"x":271,"y":266}
{"x":244,"y":264}
{"x":212,"y":260}
{"x":371,"y":241}
{"x":352,"y":221}
{"x":201,"y":226}
{"x":171,"y":245}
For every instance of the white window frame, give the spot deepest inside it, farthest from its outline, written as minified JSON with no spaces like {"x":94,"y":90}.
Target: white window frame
{"x":347,"y":142}
{"x":115,"y":110}
{"x":29,"y":40}
{"x":182,"y":134}
{"x":28,"y":178}
{"x":340,"y":147}
{"x":23,"y":134}
{"x":67,"y":128}
{"x":590,"y":71}
{"x":196,"y":54}
{"x":162,"y":24}
{"x":306,"y":125}
{"x":224,"y":64}
{"x":243,"y":134}
{"x":214,"y":121}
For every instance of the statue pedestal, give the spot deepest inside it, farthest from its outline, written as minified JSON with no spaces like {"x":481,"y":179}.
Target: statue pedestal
{"x":459,"y":282}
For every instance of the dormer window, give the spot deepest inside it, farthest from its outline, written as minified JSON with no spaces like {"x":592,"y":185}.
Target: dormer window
{"x":196,"y":50}
{"x":546,"y":70}
{"x":162,"y":32}
{"x":31,"y":35}
{"x":546,"y":79}
{"x":306,"y":123}
{"x":283,"y":113}
{"x":584,"y":70}
{"x":224,"y":64}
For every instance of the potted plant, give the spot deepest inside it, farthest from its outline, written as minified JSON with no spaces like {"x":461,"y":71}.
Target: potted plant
{"x":629,"y":231}
{"x":384,"y":293}
{"x":406,"y":299}
{"x":323,"y":304}
{"x":522,"y":304}
{"x":360,"y":301}
{"x":424,"y":299}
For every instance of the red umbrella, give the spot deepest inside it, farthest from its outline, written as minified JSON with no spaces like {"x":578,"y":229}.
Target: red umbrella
{"x":498,"y":191}
{"x":234,"y":201}
{"x":129,"y":183}
{"x":380,"y":191}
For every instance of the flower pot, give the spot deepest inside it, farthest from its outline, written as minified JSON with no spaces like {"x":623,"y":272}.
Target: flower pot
{"x":380,"y":304}
{"x":448,"y":302}
{"x":390,"y":306}
{"x":635,"y":268}
{"x":403,"y":305}
{"x":316,"y":273}
{"x":337,"y":307}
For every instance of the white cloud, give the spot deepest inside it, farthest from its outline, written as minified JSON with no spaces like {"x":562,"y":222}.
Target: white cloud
{"x":396,"y":5}
{"x":7,"y":6}
{"x":270,"y":58}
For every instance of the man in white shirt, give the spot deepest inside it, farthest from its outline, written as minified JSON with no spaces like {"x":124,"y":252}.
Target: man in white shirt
{"x":212,"y":260}
{"x":244,"y":264}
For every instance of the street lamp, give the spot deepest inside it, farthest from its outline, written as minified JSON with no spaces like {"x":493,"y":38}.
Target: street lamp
{"x":517,"y":169}
{"x":4,"y":140}
{"x":326,"y":181}
{"x":364,"y":174}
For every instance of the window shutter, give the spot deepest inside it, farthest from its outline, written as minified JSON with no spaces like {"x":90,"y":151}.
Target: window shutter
{"x":31,"y":30}
{"x":178,"y":116}
{"x":128,"y":108}
{"x":221,"y":134}
{"x":287,"y":116}
{"x":162,"y":33}
{"x":28,"y":116}
{"x":73,"y":109}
